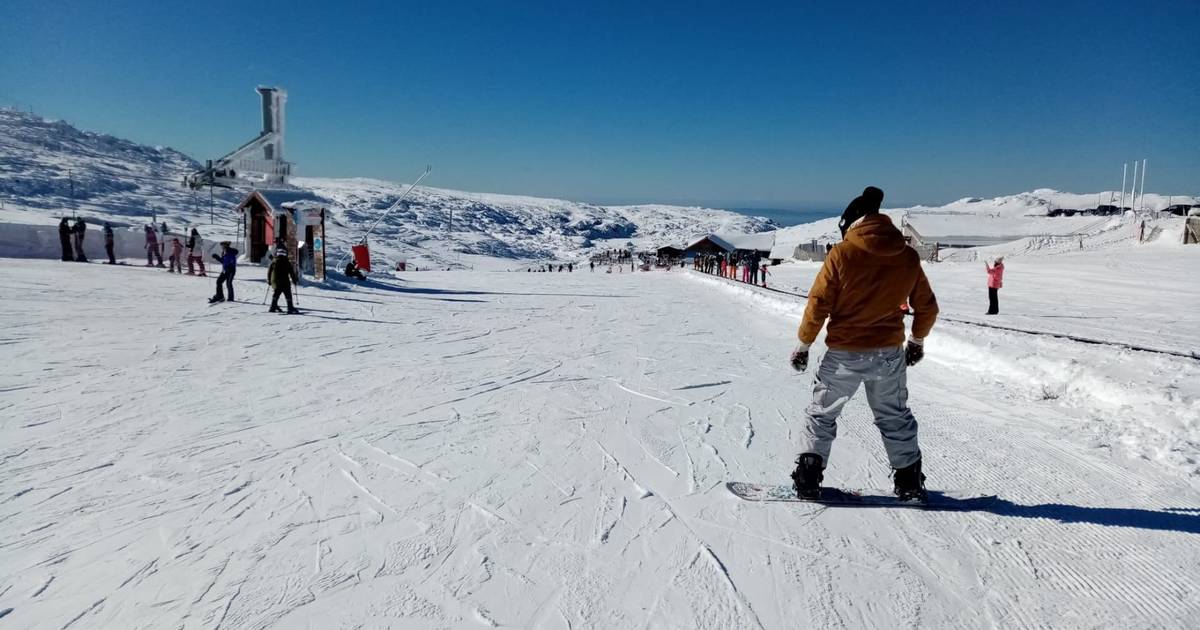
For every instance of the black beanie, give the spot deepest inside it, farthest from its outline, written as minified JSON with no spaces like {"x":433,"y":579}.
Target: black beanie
{"x":866,"y":203}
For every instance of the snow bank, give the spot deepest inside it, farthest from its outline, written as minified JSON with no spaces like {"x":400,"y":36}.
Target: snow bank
{"x":41,"y":241}
{"x":1143,"y":404}
{"x":757,"y":296}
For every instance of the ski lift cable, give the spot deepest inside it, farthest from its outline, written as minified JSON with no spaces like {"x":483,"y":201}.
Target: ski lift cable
{"x":386,"y":213}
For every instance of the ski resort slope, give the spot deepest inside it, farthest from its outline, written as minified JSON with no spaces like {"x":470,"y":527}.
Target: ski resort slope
{"x":475,"y":450}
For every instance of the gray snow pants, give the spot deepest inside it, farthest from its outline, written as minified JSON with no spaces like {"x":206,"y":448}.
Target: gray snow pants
{"x":883,"y":374}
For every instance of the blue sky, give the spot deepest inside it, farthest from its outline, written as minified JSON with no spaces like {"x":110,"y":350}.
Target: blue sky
{"x":751,"y":104}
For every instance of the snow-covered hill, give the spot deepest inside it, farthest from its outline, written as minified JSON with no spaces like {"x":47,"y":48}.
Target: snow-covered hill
{"x":49,"y":168}
{"x":999,"y":219}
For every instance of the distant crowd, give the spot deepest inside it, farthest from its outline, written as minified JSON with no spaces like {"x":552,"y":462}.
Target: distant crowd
{"x":748,"y":268}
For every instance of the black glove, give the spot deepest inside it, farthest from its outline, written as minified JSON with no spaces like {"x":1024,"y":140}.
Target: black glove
{"x":914,"y":351}
{"x":800,"y":358}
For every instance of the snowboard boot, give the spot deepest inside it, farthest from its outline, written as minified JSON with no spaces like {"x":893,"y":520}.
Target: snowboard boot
{"x":910,"y":483}
{"x":273,"y":309}
{"x":214,"y":299}
{"x":807,"y":476}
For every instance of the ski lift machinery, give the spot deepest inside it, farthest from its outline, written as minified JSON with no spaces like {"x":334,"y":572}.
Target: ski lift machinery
{"x":257,"y":163}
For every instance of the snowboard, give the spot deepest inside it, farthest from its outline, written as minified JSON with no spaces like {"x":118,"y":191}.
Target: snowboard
{"x":938,"y":499}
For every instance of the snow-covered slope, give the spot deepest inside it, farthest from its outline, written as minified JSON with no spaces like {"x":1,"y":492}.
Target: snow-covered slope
{"x":49,"y":168}
{"x":476,"y":450}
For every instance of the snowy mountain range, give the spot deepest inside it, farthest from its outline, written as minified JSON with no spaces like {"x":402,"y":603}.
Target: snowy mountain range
{"x":49,"y":168}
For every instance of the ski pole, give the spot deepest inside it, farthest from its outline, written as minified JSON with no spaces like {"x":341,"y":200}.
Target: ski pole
{"x":266,"y":293}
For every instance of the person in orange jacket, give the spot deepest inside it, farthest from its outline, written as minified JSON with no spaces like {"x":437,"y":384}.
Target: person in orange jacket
{"x":860,"y":283}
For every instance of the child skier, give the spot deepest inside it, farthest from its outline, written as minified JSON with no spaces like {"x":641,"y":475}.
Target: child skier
{"x":176,"y":256}
{"x":857,"y":290}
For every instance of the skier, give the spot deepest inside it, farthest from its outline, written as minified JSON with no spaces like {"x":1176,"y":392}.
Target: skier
{"x":195,"y":246}
{"x":64,"y":238}
{"x":570,"y":267}
{"x":108,"y":244}
{"x":282,"y":275}
{"x":152,"y":247}
{"x":176,"y":256}
{"x":857,"y":290}
{"x":592,"y":265}
{"x":228,"y":260}
{"x":995,"y":274}
{"x":79,"y":230}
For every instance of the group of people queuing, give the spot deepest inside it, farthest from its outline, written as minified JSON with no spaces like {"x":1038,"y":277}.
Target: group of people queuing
{"x":744,"y":267}
{"x":71,"y":238}
{"x":552,"y":268}
{"x":155,"y":249}
{"x":613,"y":257}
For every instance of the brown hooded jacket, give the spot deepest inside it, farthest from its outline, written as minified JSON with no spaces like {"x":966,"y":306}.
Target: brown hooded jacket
{"x":861,"y":286}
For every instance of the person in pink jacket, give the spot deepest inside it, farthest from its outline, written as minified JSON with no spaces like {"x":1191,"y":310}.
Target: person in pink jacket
{"x":176,"y":256}
{"x":995,"y":273}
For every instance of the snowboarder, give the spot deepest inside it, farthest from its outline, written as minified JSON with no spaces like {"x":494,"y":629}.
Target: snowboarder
{"x":64,"y":238}
{"x":995,"y":274}
{"x":176,"y":256}
{"x":195,"y":247}
{"x":228,"y":260}
{"x":857,"y":290}
{"x":282,"y":275}
{"x":108,"y":243}
{"x":352,"y":271}
{"x":152,"y":247}
{"x":79,"y":230}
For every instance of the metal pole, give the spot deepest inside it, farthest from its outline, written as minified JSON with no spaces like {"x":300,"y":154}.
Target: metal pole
{"x":211,"y":215}
{"x":1142,"y":200}
{"x":71,"y":176}
{"x":1133,"y":187}
{"x":1124,"y":167}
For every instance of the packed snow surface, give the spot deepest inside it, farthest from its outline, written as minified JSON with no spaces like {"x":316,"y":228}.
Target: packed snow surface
{"x":473,"y":450}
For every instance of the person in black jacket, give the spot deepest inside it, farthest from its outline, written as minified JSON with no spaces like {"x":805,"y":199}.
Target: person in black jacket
{"x":64,"y":237}
{"x":79,"y":229}
{"x":352,"y":271}
{"x":282,"y":275}
{"x":108,"y":244}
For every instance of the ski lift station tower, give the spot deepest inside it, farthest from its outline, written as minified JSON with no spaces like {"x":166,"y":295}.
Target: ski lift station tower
{"x":258,"y":163}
